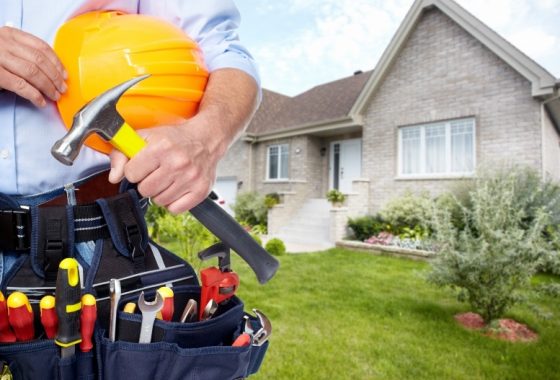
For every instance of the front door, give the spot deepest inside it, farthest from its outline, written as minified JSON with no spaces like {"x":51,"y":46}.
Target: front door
{"x":345,"y":164}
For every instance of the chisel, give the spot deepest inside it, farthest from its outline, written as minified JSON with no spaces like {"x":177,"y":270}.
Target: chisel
{"x":68,"y":306}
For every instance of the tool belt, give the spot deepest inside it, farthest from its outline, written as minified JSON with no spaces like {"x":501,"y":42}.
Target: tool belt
{"x":42,"y":236}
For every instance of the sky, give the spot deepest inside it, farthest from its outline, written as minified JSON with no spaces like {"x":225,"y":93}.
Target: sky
{"x":299,"y":44}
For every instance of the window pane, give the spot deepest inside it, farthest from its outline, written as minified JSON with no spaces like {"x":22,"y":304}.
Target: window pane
{"x":411,"y":150}
{"x":284,"y":162}
{"x":273,"y":162}
{"x":435,"y":148}
{"x":462,"y":146}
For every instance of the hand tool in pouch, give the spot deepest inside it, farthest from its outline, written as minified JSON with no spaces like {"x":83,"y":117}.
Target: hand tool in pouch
{"x":20,"y":316}
{"x":6,"y":333}
{"x":100,"y":116}
{"x":168,"y":309}
{"x":115,"y":290}
{"x":68,"y":306}
{"x":49,"y":319}
{"x":217,"y":284}
{"x":190,"y":311}
{"x":149,"y":311}
{"x":87,"y":321}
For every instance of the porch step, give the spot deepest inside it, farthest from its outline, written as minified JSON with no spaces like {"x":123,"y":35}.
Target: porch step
{"x":309,"y":229}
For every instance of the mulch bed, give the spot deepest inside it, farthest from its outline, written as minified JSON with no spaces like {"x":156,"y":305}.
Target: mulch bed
{"x":506,"y":329}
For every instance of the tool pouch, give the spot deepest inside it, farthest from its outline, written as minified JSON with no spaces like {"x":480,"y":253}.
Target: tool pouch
{"x":192,"y":350}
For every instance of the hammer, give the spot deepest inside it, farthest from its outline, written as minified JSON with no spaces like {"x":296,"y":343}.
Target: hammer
{"x":100,"y":116}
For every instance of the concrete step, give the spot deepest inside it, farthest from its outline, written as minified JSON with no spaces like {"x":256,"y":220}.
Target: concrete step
{"x":309,"y":229}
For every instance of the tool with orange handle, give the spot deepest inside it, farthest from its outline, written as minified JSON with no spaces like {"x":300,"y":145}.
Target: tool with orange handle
{"x":166,"y":313}
{"x":20,"y":316}
{"x":68,"y":306}
{"x":87,"y":321}
{"x":49,"y":319}
{"x":6,"y":333}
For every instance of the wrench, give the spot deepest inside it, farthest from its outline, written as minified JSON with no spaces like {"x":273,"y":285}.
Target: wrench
{"x":115,"y":290}
{"x":149,"y":311}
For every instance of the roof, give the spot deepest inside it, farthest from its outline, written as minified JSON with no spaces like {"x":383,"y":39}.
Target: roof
{"x":327,"y":102}
{"x":341,"y":103}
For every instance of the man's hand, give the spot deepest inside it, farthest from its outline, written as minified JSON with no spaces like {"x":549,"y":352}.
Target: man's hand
{"x":174,"y":169}
{"x":29,"y":67}
{"x":178,"y":165}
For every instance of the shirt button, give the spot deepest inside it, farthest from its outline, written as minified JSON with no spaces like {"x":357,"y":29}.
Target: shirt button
{"x":4,"y":153}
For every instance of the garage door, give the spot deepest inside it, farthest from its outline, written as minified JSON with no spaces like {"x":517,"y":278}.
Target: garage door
{"x":226,"y":187}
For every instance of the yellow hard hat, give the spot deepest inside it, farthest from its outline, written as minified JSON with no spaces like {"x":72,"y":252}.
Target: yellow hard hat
{"x":102,"y":49}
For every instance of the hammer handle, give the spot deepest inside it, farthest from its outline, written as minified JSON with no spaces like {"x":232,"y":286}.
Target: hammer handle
{"x":212,"y":216}
{"x":128,"y":141}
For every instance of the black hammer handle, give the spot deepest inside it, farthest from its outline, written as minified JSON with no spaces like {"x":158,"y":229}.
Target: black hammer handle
{"x":221,"y":224}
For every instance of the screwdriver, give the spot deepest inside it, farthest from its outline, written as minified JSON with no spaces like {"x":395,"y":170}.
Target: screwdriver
{"x":68,"y":306}
{"x":6,"y":333}
{"x":20,"y":316}
{"x":168,"y":309}
{"x":48,"y":316}
{"x":87,"y":321}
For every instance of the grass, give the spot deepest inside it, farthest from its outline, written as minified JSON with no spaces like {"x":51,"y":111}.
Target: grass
{"x":341,"y":314}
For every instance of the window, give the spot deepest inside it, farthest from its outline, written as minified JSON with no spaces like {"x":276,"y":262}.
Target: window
{"x":277,"y":167}
{"x":443,"y":148}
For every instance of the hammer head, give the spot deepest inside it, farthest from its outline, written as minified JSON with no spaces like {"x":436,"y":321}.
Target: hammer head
{"x":98,"y":116}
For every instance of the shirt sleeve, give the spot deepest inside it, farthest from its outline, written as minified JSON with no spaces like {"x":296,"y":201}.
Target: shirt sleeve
{"x":213,"y":24}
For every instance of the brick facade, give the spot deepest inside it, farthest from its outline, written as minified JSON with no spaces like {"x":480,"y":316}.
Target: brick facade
{"x":442,"y":73}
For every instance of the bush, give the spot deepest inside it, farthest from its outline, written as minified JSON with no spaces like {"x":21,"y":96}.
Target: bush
{"x":408,"y":211}
{"x":367,"y":226}
{"x":275,"y":247}
{"x":499,"y":249}
{"x":271,"y":200}
{"x":335,"y":196}
{"x":250,"y":208}
{"x":191,"y":236}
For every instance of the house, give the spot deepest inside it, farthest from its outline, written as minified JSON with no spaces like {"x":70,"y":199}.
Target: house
{"x":447,"y":96}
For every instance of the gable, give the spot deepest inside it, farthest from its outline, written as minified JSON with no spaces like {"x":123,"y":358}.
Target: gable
{"x":543,"y":84}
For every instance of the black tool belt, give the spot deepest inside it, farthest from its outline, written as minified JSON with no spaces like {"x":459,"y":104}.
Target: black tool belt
{"x":39,"y":237}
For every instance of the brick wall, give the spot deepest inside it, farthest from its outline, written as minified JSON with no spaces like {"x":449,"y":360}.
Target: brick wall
{"x":442,"y":73}
{"x":551,"y":150}
{"x":236,"y":163}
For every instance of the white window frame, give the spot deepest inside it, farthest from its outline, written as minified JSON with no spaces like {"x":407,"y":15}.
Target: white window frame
{"x":448,"y":173}
{"x":279,"y":146}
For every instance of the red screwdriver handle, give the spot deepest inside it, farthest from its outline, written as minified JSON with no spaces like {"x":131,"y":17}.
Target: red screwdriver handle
{"x":6,"y":333}
{"x":87,"y":321}
{"x":20,"y":316}
{"x":49,"y":319}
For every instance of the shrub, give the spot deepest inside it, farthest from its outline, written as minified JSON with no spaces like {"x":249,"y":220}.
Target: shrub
{"x":275,"y":247}
{"x":153,"y":215}
{"x":271,"y":200}
{"x":367,"y":226}
{"x":250,"y":208}
{"x":191,"y":236}
{"x":335,"y":196}
{"x":257,"y":238}
{"x":409,"y":211}
{"x":497,"y":252}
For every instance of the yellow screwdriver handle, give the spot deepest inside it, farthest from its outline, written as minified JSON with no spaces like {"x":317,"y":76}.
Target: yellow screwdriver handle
{"x":128,"y":141}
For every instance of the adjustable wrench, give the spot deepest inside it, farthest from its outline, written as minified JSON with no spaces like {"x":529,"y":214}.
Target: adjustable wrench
{"x":149,"y":311}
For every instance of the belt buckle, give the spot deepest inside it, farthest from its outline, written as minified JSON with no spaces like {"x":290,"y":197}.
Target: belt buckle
{"x":15,"y":229}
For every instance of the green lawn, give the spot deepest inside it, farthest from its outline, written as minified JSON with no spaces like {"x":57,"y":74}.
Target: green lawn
{"x":350,"y":315}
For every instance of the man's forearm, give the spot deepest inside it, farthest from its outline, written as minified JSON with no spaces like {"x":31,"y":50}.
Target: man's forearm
{"x":229,"y":102}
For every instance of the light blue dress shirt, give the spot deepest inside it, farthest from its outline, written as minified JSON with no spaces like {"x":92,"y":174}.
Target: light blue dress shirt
{"x":27,"y":133}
